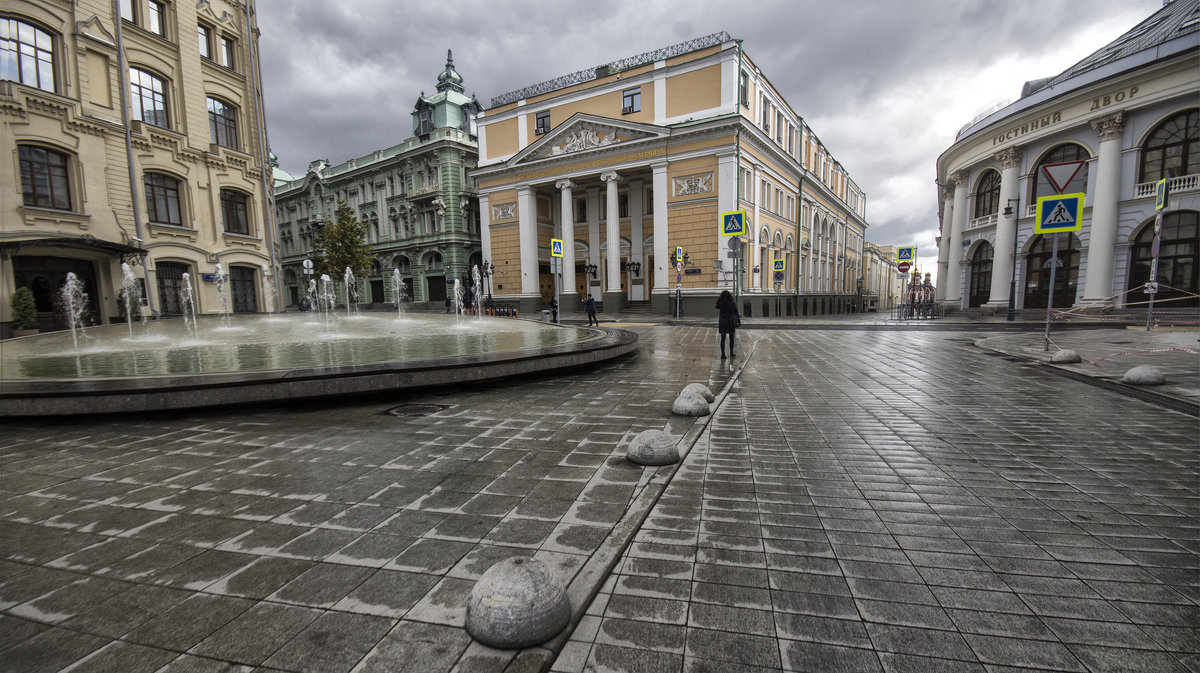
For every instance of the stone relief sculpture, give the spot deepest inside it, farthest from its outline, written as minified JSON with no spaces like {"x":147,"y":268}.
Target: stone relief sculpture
{"x":504,"y":211}
{"x":700,"y":183}
{"x":583,"y":139}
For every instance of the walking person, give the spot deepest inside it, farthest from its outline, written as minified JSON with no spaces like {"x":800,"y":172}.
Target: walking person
{"x":728,"y":320}
{"x":589,"y":305}
{"x":554,"y":310}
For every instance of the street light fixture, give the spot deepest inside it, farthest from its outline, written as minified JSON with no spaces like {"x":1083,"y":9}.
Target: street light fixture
{"x":635,"y":268}
{"x":591,"y":268}
{"x":1009,"y":211}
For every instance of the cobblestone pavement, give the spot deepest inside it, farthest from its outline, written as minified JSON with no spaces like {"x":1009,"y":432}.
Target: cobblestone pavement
{"x":861,"y":500}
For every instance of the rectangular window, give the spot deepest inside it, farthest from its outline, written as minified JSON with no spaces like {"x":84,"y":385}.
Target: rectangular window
{"x":227,"y":49}
{"x":222,"y":124}
{"x":156,"y":18}
{"x":766,"y":115}
{"x":581,"y":210}
{"x":149,"y":98}
{"x":744,"y":89}
{"x":622,"y":205}
{"x":233,"y":212}
{"x":766,"y":195}
{"x":44,"y":178}
{"x":779,"y":127}
{"x":206,"y":43}
{"x":649,"y":200}
{"x":541,"y":122}
{"x":791,"y":140}
{"x":162,"y":199}
{"x":127,"y":10}
{"x":631,"y":101}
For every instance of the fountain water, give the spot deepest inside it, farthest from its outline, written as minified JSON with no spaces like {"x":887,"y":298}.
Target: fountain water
{"x":74,"y":302}
{"x":326,"y":300}
{"x":477,"y":291}
{"x":351,"y":291}
{"x":223,"y":294}
{"x":188,"y":305}
{"x":399,"y":291}
{"x":131,"y":295}
{"x":458,"y":298}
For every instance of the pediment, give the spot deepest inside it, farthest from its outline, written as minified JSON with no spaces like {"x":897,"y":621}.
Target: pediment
{"x":205,"y":9}
{"x":95,"y":29}
{"x":584,"y":132}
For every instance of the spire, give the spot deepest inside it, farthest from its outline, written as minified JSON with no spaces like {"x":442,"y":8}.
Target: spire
{"x":449,"y":79}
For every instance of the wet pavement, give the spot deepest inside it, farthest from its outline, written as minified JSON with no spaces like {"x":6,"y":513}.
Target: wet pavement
{"x":863,"y":498}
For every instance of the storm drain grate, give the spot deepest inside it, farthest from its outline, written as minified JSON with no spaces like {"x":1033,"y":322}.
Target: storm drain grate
{"x":409,"y":410}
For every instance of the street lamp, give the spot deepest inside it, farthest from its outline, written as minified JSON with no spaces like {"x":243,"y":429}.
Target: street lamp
{"x":1009,"y":211}
{"x":487,"y":270}
{"x":591,"y":268}
{"x":635,"y":268}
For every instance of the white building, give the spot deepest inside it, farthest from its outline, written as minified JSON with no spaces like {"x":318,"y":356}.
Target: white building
{"x":1109,"y":127}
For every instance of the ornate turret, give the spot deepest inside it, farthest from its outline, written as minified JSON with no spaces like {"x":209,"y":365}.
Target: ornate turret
{"x":449,"y":107}
{"x":450,"y":79}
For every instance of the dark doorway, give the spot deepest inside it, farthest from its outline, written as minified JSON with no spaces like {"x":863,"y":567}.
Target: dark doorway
{"x":243,"y":289}
{"x":981,"y":275}
{"x":437,"y":289}
{"x":170,"y":287}
{"x":45,"y":276}
{"x":377,"y":291}
{"x":1037,"y":271}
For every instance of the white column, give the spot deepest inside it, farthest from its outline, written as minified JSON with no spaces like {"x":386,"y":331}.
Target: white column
{"x":612,"y":233}
{"x":1102,"y":239}
{"x":947,"y":193}
{"x":958,"y":223}
{"x":593,"y":224}
{"x":527,"y":214}
{"x":485,"y":228}
{"x":567,"y":220}
{"x":660,"y":226}
{"x":755,"y":229}
{"x":636,"y":234}
{"x":1006,"y":227}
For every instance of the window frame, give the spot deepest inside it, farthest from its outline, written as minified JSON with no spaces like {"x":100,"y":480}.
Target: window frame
{"x":541,"y":122}
{"x":42,"y":67}
{"x":631,"y":100}
{"x":55,"y":178}
{"x":138,"y":100}
{"x":987,"y":202}
{"x":156,"y":17}
{"x":226,"y":51}
{"x":205,"y":35}
{"x":235,"y":207}
{"x":1187,"y":149}
{"x":222,"y":124}
{"x":162,"y":196}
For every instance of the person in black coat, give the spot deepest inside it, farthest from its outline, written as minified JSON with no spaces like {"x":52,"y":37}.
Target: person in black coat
{"x":727,"y":319}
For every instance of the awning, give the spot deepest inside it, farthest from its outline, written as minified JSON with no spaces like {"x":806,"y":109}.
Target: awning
{"x":126,"y":252}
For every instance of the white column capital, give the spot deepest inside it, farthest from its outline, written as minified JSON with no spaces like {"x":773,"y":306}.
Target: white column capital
{"x":610,"y":176}
{"x":1010,"y":158}
{"x":1109,"y":127}
{"x":565,"y":184}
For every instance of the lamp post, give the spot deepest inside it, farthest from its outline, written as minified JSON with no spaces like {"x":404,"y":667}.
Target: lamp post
{"x":591,"y":269}
{"x":486,"y":270}
{"x":680,"y":262}
{"x":1009,"y":211}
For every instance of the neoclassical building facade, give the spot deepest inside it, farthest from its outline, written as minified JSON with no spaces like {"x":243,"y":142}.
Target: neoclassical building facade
{"x":416,"y":199}
{"x":133,"y":137}
{"x":635,"y":159}
{"x":1110,"y":127}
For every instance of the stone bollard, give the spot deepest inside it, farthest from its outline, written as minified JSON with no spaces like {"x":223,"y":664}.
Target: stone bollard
{"x":1144,"y":375}
{"x":701,"y":389}
{"x":653,"y":447}
{"x":1065,"y":356}
{"x":690,"y":404}
{"x":517,"y":603}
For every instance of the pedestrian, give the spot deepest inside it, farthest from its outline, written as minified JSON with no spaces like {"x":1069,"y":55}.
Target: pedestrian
{"x":305,"y":306}
{"x":728,"y":320}
{"x":554,"y":309}
{"x":447,"y":304}
{"x":589,"y":305}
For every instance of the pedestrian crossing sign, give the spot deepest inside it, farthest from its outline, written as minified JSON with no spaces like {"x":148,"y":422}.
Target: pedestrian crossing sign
{"x":780,"y":265}
{"x":733,"y":223}
{"x":1062,"y":212}
{"x":556,"y":247}
{"x":906,"y":254}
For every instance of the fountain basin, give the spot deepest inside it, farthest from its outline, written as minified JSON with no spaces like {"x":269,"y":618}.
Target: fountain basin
{"x":258,"y":359}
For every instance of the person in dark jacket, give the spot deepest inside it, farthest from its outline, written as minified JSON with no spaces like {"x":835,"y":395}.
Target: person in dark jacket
{"x":589,"y":305}
{"x":726,"y":323}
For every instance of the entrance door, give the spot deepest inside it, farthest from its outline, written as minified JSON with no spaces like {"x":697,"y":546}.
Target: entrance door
{"x":46,"y":276}
{"x":981,"y":276}
{"x":243,"y":289}
{"x":1037,"y":270}
{"x":170,"y":284}
{"x":437,"y":290}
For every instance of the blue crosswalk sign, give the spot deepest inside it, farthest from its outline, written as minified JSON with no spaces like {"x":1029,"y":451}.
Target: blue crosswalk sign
{"x":556,"y":247}
{"x":733,"y":223}
{"x":906,"y":254}
{"x":1057,"y":213}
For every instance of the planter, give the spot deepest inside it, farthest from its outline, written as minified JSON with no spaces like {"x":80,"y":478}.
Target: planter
{"x":24,"y":332}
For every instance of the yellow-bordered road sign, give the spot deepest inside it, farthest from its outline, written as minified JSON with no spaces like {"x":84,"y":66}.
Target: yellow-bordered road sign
{"x":1160,"y":194}
{"x":1063,"y":212}
{"x":780,"y":265}
{"x":733,"y":223}
{"x":556,"y":247}
{"x":906,"y":254}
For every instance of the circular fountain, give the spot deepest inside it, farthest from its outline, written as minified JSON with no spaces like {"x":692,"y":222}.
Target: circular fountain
{"x":217,"y":361}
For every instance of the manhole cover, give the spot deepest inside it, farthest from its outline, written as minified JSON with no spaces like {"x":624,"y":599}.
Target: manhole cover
{"x":416,"y":409}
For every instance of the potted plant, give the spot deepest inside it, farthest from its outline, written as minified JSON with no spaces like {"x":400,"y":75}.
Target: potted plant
{"x":24,"y":312}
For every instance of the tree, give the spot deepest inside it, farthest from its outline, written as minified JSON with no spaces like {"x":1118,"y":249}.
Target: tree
{"x":341,"y":244}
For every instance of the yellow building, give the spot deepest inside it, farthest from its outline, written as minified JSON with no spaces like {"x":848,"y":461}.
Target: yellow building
{"x":630,"y":161}
{"x":167,"y":94}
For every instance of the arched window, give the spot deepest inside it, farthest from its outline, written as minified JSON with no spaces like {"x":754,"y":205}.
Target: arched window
{"x":44,"y":177}
{"x":1037,"y":271}
{"x":148,"y":98}
{"x":1178,"y":259}
{"x":987,"y":194}
{"x":1173,"y":149}
{"x":162,"y":199}
{"x":1060,"y":155}
{"x":434,"y":261}
{"x":233,"y":212}
{"x":222,"y":123}
{"x":403,"y":264}
{"x":26,"y":54}
{"x":981,"y":275}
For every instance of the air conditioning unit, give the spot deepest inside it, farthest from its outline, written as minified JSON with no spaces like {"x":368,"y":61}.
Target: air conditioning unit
{"x":627,"y":110}
{"x":540,"y":130}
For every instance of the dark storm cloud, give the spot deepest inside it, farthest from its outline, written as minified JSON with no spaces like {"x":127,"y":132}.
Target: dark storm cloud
{"x":884,"y":84}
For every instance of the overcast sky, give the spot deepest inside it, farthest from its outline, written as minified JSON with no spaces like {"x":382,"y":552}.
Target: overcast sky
{"x":885,"y":84}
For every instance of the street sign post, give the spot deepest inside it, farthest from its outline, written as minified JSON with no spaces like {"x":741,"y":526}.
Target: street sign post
{"x":1160,"y":204}
{"x":903,"y":267}
{"x":1056,"y":214}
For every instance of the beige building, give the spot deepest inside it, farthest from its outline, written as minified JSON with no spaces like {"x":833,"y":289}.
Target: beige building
{"x":635,"y":159}
{"x":881,"y":281}
{"x":166,"y":95}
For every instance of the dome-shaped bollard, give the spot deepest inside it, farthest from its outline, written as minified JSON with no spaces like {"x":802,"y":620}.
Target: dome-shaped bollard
{"x":517,"y":603}
{"x":1144,"y":375}
{"x":700,"y":389}
{"x":690,"y":404}
{"x":653,"y":447}
{"x":1065,"y":356}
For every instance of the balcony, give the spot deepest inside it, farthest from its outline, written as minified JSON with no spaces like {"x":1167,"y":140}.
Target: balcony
{"x":1187,"y":183}
{"x":981,"y":222}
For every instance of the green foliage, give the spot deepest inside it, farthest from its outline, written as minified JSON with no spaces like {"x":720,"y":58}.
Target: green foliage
{"x":137,"y":308}
{"x":341,"y":244}
{"x":24,"y":309}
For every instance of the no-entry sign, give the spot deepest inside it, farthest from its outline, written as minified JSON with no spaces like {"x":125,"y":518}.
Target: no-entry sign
{"x":903,"y":267}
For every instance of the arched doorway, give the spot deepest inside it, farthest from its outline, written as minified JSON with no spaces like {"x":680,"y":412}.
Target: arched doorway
{"x":1037,"y":271}
{"x":1178,"y":260}
{"x":981,"y":275}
